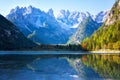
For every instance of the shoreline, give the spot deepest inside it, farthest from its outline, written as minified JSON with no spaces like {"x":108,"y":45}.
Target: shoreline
{"x":105,"y":51}
{"x":62,"y":51}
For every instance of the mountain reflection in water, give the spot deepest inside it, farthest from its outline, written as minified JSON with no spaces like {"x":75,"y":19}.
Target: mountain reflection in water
{"x":59,"y":66}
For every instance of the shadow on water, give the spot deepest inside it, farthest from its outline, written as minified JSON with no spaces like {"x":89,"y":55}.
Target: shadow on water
{"x":59,"y":66}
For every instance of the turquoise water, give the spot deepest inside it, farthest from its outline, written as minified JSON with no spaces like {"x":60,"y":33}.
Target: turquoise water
{"x":63,"y":65}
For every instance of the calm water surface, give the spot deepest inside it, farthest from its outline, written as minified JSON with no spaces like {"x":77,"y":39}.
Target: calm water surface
{"x":63,"y":65}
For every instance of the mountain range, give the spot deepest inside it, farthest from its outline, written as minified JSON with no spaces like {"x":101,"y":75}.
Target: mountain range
{"x":37,"y":25}
{"x":44,"y":28}
{"x":73,"y":19}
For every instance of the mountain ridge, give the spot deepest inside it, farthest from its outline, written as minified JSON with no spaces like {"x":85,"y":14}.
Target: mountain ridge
{"x":11,"y":37}
{"x":75,"y":17}
{"x":85,"y":29}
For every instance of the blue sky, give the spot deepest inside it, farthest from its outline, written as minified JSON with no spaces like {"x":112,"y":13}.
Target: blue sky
{"x":92,"y":6}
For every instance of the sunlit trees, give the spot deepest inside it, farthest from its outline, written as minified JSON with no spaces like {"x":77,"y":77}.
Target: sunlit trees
{"x":107,"y":37}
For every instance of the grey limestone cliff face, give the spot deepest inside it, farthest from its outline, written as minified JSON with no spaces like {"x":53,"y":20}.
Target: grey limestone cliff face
{"x":114,"y":14}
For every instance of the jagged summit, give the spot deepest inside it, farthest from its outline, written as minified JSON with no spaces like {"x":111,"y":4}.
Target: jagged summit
{"x":114,"y":13}
{"x":74,"y":18}
{"x":51,"y":12}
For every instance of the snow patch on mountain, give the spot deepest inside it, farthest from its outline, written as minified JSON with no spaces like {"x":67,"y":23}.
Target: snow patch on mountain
{"x":75,"y":26}
{"x":28,"y":10}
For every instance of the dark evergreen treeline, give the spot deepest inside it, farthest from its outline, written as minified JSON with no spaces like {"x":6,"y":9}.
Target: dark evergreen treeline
{"x":55,"y":48}
{"x":58,"y":47}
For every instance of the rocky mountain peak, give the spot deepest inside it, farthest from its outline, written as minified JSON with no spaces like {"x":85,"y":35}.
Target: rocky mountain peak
{"x":51,"y":12}
{"x":114,"y":14}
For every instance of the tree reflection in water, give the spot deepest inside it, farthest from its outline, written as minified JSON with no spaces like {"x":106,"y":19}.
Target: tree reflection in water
{"x":97,"y":66}
{"x":106,"y":65}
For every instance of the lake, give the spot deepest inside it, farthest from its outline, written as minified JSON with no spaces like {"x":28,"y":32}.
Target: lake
{"x":59,"y":65}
